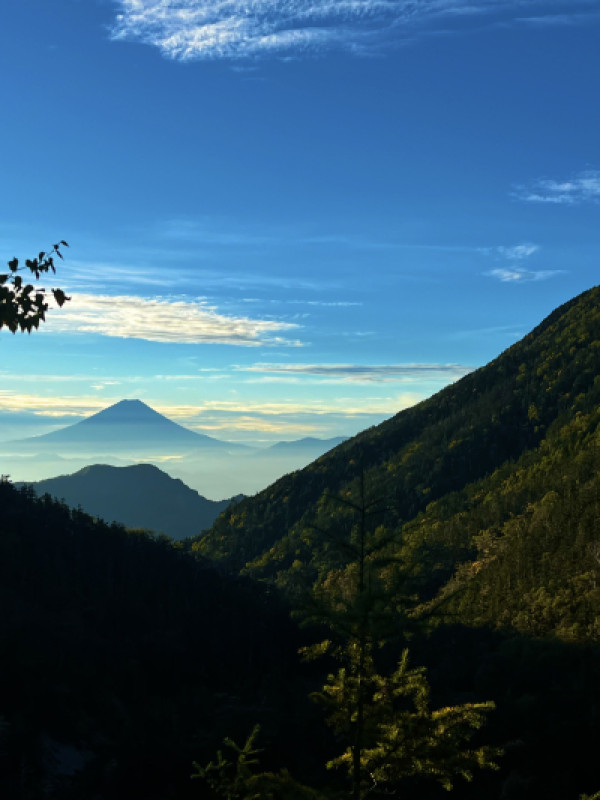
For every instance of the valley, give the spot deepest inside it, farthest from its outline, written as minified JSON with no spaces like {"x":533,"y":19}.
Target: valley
{"x":479,"y":543}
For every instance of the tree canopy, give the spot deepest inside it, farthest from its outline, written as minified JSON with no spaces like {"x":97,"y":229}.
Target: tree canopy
{"x":22,"y":305}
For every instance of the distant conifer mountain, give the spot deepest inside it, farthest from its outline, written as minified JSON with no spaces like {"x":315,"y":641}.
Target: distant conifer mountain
{"x":491,"y":488}
{"x":138,"y":496}
{"x":127,"y":423}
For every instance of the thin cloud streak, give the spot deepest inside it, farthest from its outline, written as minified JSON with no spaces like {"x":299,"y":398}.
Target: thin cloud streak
{"x":363,"y":373}
{"x":50,"y":406}
{"x":165,"y":320}
{"x":188,"y":30}
{"x":581,"y":188}
{"x":346,"y":407}
{"x":508,"y":275}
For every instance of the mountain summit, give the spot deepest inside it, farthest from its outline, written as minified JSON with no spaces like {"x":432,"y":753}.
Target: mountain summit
{"x":125,"y":424}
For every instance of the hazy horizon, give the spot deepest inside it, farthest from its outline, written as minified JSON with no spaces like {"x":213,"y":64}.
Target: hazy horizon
{"x":214,"y":472}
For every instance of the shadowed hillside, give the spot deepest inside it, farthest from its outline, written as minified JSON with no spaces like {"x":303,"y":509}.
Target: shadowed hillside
{"x":138,"y":496}
{"x":124,"y":658}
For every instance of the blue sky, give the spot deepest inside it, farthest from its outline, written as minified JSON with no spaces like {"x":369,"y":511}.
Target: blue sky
{"x":295,"y":218}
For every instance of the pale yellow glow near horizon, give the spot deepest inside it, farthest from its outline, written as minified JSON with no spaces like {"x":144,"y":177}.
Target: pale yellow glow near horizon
{"x":60,"y":406}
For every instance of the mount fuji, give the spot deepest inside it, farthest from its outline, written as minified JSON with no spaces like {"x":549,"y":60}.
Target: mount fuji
{"x":127,"y":424}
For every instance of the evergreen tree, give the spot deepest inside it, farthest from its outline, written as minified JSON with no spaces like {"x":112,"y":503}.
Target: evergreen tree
{"x":390,"y":731}
{"x":238,"y":779}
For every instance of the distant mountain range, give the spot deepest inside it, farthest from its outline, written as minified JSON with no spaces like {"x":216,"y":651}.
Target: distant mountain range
{"x":131,"y":432}
{"x":138,"y":496}
{"x":307,"y":445}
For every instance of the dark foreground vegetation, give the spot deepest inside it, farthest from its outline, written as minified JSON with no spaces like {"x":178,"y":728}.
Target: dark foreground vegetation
{"x":123,"y":659}
{"x":464,"y":529}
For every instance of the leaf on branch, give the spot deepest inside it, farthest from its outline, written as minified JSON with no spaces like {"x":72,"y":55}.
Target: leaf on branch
{"x":60,"y":297}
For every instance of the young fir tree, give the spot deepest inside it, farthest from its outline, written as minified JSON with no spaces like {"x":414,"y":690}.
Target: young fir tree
{"x":390,"y":729}
{"x":391,"y":733}
{"x":238,"y":779}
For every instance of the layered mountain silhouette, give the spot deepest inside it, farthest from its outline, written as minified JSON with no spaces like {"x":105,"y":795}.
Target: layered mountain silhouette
{"x":138,"y":496}
{"x":307,"y":446}
{"x":128,"y":423}
{"x":131,"y":432}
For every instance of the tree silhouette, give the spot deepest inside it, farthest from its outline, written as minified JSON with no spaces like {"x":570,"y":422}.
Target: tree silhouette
{"x":22,"y":305}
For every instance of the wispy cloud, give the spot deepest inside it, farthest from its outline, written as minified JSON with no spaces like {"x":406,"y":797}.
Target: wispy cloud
{"x":209,"y":29}
{"x":584,"y":187}
{"x":553,"y":20}
{"x":257,"y":425}
{"x":101,"y":275}
{"x":50,"y":405}
{"x":516,"y":275}
{"x":166,"y":320}
{"x":364,"y":373}
{"x":518,"y":252}
{"x":514,"y":271}
{"x":345,"y":406}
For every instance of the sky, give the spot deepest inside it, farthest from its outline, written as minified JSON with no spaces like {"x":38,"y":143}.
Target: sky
{"x":290,"y":218}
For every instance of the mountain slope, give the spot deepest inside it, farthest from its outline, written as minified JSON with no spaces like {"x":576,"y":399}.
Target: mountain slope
{"x":138,"y":496}
{"x":127,"y":423}
{"x":475,"y":446}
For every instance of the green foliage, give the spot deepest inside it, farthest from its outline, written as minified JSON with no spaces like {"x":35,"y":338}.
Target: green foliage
{"x":390,"y":731}
{"x":401,"y":737}
{"x":240,"y":780}
{"x":22,"y":305}
{"x":386,"y":722}
{"x":230,"y":778}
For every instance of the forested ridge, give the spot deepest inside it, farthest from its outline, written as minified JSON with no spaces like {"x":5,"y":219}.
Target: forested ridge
{"x":486,"y":503}
{"x":130,"y":656}
{"x":490,"y":485}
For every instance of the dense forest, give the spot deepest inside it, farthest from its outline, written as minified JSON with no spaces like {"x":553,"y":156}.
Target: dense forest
{"x":462,"y":532}
{"x":487,"y":497}
{"x":123,"y":659}
{"x":489,"y":486}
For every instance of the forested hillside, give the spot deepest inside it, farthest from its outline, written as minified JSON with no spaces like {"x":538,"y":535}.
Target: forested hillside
{"x":490,"y":485}
{"x":137,"y":496}
{"x":123,"y":659}
{"x":480,"y":508}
